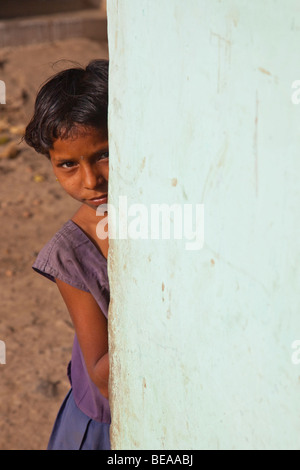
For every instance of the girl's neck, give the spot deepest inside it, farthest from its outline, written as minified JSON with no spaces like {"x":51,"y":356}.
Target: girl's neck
{"x":87,"y":219}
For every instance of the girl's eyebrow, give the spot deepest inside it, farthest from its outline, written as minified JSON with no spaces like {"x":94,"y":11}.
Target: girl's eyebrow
{"x":67,"y":158}
{"x":63,"y":159}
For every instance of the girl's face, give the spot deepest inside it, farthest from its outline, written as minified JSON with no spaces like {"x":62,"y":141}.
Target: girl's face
{"x":80,"y":164}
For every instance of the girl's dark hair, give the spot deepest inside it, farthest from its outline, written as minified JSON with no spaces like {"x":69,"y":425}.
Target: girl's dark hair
{"x":74,"y":97}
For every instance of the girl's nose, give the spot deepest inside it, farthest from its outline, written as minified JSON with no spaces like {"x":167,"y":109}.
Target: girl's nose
{"x":91,"y":178}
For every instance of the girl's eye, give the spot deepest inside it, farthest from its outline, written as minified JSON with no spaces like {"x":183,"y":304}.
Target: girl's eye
{"x":103,"y":156}
{"x":67,"y":164}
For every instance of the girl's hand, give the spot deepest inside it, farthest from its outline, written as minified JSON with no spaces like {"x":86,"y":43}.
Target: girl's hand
{"x":91,"y":328}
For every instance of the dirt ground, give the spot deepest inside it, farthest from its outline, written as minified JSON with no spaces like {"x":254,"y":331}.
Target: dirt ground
{"x":34,"y":323}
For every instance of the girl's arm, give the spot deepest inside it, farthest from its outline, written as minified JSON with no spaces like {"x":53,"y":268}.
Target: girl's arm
{"x":91,"y":328}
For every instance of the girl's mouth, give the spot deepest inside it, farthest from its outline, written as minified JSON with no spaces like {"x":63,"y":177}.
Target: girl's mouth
{"x":98,"y":200}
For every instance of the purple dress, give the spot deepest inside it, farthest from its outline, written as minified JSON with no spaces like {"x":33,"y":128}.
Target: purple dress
{"x":73,"y":258}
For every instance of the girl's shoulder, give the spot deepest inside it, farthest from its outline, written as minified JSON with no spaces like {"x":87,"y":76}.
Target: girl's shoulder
{"x":71,"y":256}
{"x":65,"y":242}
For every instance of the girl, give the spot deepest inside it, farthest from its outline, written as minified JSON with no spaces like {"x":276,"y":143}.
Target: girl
{"x":69,"y":127}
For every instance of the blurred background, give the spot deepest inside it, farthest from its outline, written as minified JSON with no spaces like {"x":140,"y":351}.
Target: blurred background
{"x":37,"y":39}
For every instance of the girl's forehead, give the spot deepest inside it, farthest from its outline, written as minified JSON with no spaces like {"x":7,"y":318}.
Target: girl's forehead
{"x":80,"y":145}
{"x":81,"y":131}
{"x":85,"y":135}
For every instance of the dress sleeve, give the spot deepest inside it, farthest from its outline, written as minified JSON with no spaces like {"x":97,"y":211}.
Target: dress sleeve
{"x":58,"y":259}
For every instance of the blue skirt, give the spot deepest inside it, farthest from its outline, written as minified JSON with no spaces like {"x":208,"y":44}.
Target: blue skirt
{"x":73,"y":430}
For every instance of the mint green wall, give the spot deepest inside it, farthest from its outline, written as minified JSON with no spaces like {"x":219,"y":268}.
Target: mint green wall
{"x":201,"y":113}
